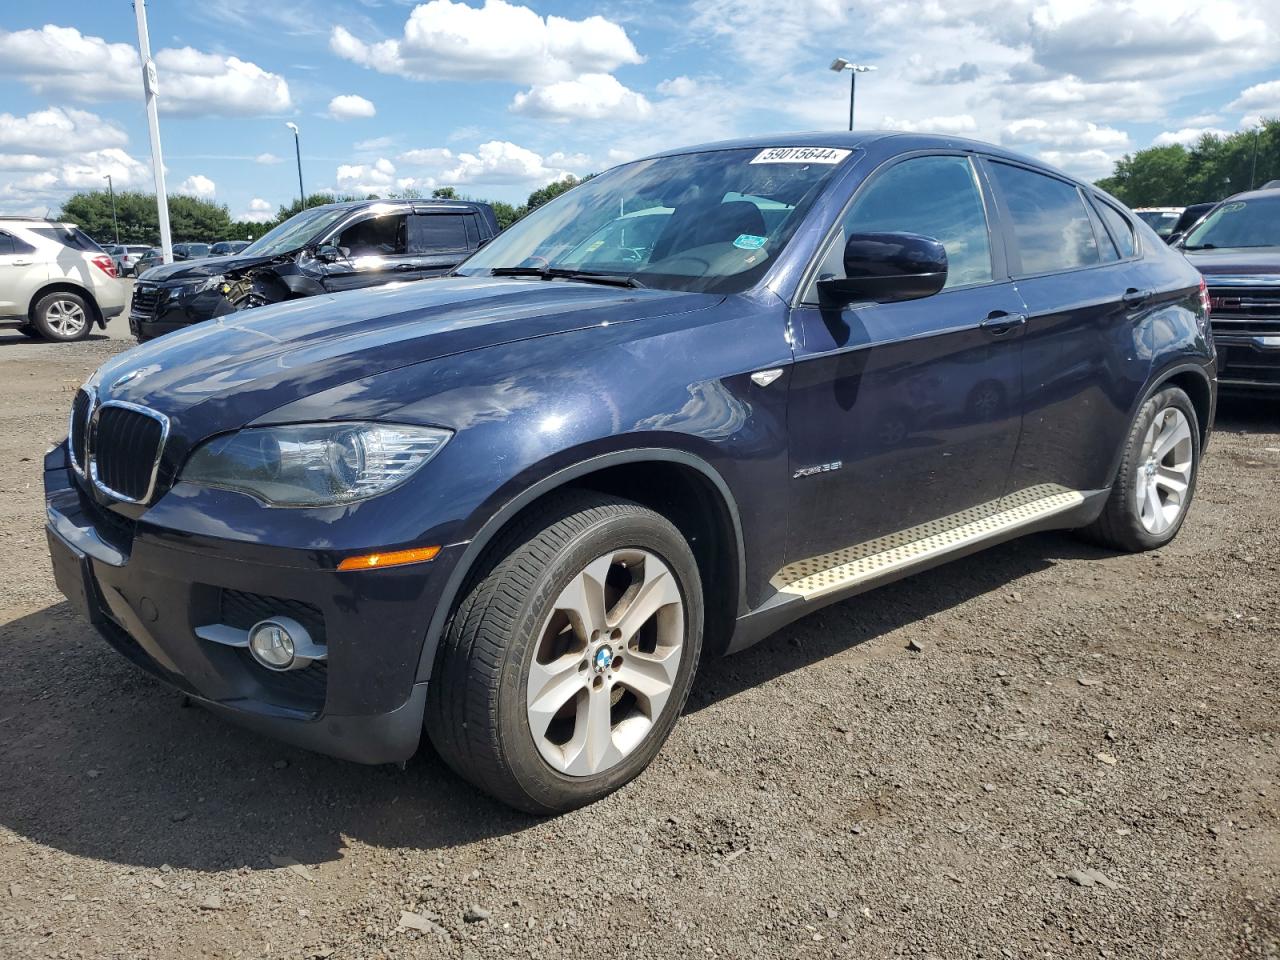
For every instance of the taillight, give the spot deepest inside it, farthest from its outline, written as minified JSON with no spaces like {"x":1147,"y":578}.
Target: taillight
{"x":106,"y":265}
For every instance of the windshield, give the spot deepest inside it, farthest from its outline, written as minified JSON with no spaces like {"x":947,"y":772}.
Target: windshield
{"x":1239,"y":223}
{"x":1161,"y":221}
{"x":700,"y":222}
{"x":296,"y":232}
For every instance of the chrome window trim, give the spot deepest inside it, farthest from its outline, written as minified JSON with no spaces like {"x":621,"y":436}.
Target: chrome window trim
{"x":155,"y":466}
{"x":76,"y":465}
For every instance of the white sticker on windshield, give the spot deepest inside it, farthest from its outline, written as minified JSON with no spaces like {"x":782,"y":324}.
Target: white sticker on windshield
{"x":801,"y":155}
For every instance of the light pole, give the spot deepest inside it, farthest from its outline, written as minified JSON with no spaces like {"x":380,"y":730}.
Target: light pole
{"x":1257,"y":135}
{"x":114,"y":222}
{"x":840,"y":65}
{"x":153,"y":125}
{"x":297,"y":150}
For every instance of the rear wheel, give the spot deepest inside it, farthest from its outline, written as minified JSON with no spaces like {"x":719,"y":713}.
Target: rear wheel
{"x":62,"y":316}
{"x":567,"y":663}
{"x":1157,"y":477}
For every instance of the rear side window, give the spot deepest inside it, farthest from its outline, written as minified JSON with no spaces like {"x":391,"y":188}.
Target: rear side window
{"x":1121,"y":229}
{"x":9,"y":244}
{"x":437,"y":233}
{"x":936,"y":197}
{"x":1050,"y":224}
{"x":71,"y":237}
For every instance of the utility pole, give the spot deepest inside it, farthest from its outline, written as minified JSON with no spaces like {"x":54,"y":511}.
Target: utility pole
{"x":114,"y":222}
{"x":153,"y":126}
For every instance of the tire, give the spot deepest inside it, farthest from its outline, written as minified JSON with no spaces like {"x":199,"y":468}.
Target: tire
{"x":521,"y":623}
{"x":62,"y":317}
{"x":1131,"y":521}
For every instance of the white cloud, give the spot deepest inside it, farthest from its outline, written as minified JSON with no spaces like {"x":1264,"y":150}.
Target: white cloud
{"x":258,"y":211}
{"x":373,"y":144}
{"x":48,"y":180}
{"x":61,"y":61}
{"x":362,"y":179}
{"x":349,"y":106}
{"x":59,"y":131}
{"x":678,"y":87}
{"x":199,"y":186}
{"x":1064,"y":133}
{"x":267,"y":159}
{"x":960,"y":123}
{"x":428,"y":157}
{"x":1260,"y":98}
{"x":592,"y":96}
{"x":1187,"y":136}
{"x":494,"y":162}
{"x":444,"y":40}
{"x":1085,"y":164}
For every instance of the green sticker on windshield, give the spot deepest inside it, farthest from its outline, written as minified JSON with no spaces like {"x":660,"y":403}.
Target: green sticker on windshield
{"x":749,"y":241}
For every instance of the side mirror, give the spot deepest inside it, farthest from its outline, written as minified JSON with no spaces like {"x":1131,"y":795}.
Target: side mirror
{"x":328,"y":253}
{"x":887,"y":268}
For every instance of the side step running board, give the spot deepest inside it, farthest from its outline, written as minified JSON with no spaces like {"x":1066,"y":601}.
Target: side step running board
{"x":845,"y":568}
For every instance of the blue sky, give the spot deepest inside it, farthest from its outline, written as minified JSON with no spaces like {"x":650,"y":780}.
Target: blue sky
{"x":498,"y":98}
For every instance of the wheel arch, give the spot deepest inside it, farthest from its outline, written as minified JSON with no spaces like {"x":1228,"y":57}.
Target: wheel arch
{"x":680,"y":485}
{"x":66,"y":286}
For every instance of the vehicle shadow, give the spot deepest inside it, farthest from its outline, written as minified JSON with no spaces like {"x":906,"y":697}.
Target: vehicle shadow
{"x":1248,"y":413}
{"x":101,"y":761}
{"x":14,"y":338}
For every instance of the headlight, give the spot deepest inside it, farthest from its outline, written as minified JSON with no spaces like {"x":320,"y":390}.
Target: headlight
{"x":208,"y":283}
{"x":314,"y":464}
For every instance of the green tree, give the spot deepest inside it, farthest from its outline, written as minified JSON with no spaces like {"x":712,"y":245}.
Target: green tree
{"x":189,"y":217}
{"x":444,"y":193}
{"x":551,"y":191}
{"x":506,"y":213}
{"x":314,"y":200}
{"x":1213,"y":168}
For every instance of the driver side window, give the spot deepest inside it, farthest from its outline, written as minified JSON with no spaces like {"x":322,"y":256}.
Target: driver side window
{"x":383,"y":236}
{"x":935,"y":196}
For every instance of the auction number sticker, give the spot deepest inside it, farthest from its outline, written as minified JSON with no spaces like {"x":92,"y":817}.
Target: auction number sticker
{"x":830,"y":155}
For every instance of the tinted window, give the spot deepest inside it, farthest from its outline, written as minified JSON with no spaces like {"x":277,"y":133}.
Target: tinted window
{"x":934,"y":196}
{"x":9,"y":244}
{"x":437,"y":233}
{"x":1051,"y":227}
{"x":68,"y":236}
{"x":1119,"y":227}
{"x":6,"y":245}
{"x":382,"y":236}
{"x":1239,"y":223}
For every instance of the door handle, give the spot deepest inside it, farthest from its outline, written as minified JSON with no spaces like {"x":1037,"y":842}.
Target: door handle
{"x":20,"y":262}
{"x":404,"y":267}
{"x":1001,"y":324}
{"x":1133,"y":296}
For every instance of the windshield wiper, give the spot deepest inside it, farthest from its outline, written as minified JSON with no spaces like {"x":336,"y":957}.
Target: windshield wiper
{"x":563,"y":273}
{"x":1199,"y":246}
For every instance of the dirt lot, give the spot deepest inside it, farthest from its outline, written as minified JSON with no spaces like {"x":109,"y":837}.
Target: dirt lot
{"x":829,"y":793}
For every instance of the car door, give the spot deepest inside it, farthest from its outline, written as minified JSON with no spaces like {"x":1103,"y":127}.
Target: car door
{"x":906,"y":414}
{"x":22,"y":272}
{"x":374,"y":249}
{"x":1083,"y":361}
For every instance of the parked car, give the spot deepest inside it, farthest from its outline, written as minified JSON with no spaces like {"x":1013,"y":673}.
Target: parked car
{"x":1189,"y":217}
{"x":55,"y":282}
{"x":517,"y":503}
{"x":1237,"y":248}
{"x":148,"y":260}
{"x":125,"y":256}
{"x":224,"y":248}
{"x":338,"y":246}
{"x":1162,"y":220}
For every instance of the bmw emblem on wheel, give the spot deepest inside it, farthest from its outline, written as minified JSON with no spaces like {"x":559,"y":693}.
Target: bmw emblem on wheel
{"x":604,"y":657}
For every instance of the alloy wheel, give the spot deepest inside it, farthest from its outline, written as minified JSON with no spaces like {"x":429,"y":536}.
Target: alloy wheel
{"x":606,"y":662}
{"x":65,"y":317}
{"x":1164,"y":471}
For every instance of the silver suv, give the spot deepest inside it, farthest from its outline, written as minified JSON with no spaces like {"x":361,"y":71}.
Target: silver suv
{"x":55,"y":282}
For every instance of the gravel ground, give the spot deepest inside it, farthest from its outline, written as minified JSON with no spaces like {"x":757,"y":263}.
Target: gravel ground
{"x":1080,"y":761}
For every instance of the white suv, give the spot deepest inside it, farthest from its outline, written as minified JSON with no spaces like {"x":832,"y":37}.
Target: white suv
{"x":55,"y":282}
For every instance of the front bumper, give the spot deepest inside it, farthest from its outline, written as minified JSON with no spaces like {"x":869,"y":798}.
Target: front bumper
{"x":158,"y":308}
{"x":147,"y":591}
{"x":1248,"y":361}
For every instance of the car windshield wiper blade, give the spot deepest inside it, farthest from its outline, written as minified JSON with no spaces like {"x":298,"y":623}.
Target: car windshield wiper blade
{"x":1199,"y":246}
{"x":563,"y":273}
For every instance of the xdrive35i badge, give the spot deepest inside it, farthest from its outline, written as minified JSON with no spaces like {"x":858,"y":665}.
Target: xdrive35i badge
{"x":817,"y":468}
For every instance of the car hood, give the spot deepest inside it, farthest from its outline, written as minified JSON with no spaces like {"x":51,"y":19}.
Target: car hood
{"x":204,"y":267}
{"x":1236,"y":262}
{"x":224,"y":373}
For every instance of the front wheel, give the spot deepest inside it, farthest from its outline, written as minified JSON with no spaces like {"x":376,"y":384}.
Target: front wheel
{"x":1157,"y":477}
{"x":567,"y":663}
{"x":62,"y":317}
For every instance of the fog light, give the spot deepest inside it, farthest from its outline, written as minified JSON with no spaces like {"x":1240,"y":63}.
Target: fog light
{"x":272,"y":644}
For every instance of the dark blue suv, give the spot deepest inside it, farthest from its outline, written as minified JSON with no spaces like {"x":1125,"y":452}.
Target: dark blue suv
{"x":687,"y":402}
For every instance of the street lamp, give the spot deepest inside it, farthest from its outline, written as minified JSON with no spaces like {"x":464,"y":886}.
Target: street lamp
{"x":840,"y":65}
{"x":297,"y":149}
{"x":114,"y":222}
{"x":1257,"y":135}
